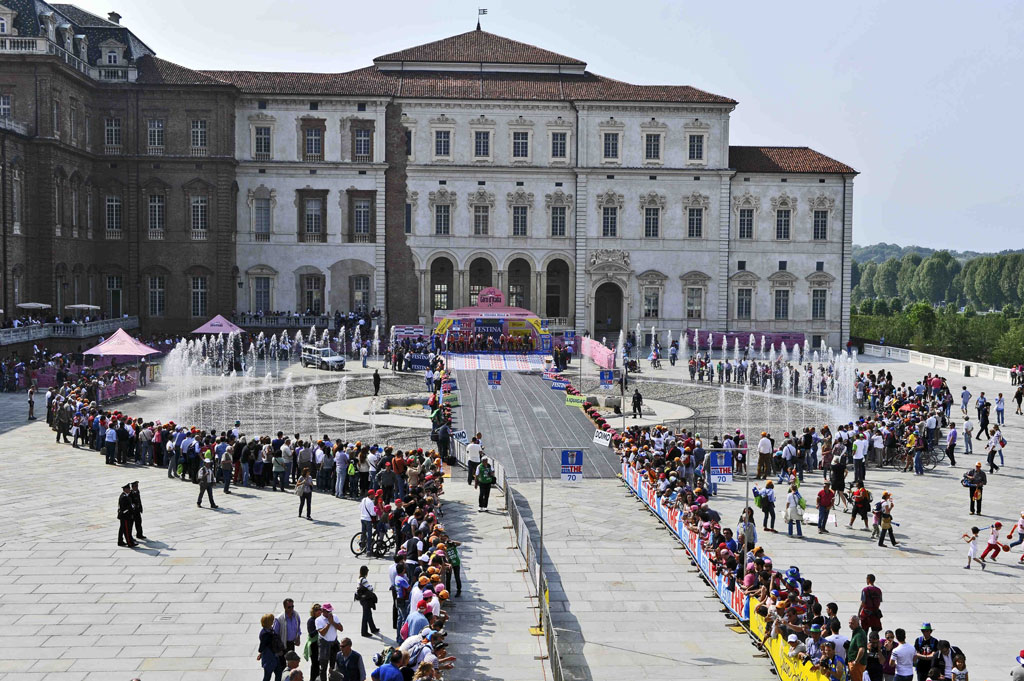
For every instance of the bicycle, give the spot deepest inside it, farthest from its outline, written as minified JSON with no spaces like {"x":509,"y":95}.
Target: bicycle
{"x":382,"y":543}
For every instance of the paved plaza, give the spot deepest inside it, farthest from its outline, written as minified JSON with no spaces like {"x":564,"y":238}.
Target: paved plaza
{"x":186,"y":604}
{"x":624,"y":596}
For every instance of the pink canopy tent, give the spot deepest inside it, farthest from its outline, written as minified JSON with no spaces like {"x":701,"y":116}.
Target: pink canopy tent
{"x":122,"y":345}
{"x":218,"y":325}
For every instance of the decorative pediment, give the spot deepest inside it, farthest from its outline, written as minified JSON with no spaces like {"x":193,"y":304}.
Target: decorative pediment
{"x":560,"y":123}
{"x":611,"y":123}
{"x":652,"y":200}
{"x":652,"y":278}
{"x":822,"y":202}
{"x":441,"y":197}
{"x":481,"y":121}
{"x":784,"y":202}
{"x":412,"y":198}
{"x":442,"y":120}
{"x":610,"y":199}
{"x":155,"y":184}
{"x":820,"y":279}
{"x":260,"y":117}
{"x":261,"y":270}
{"x":557,"y":198}
{"x":697,"y":200}
{"x":695,"y":278}
{"x":481,"y":197}
{"x":520,"y":122}
{"x":654,"y":125}
{"x":744,"y":278}
{"x":696,"y":125}
{"x":519,"y":197}
{"x":746,"y":200}
{"x":408,"y":120}
{"x":262,"y":192}
{"x":783,"y":278}
{"x":197,"y":186}
{"x":613,"y":259}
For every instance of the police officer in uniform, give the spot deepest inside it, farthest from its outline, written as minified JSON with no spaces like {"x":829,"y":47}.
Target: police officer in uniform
{"x":137,"y":509}
{"x":125,"y":515}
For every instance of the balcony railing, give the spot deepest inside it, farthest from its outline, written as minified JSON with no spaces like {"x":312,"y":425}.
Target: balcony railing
{"x":313,"y":237}
{"x":263,"y":237}
{"x":199,"y":234}
{"x":361,"y":158}
{"x":57,"y":230}
{"x":114,"y":234}
{"x":112,"y":149}
{"x":42,"y":46}
{"x":199,"y":151}
{"x":284,"y":321}
{"x":36,"y":332}
{"x":156,"y":235}
{"x":313,"y":158}
{"x":361,"y":239}
{"x":261,"y":156}
{"x":155,"y":151}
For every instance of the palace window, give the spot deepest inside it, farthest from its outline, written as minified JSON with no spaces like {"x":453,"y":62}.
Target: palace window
{"x":157,"y":296}
{"x":782,"y":304}
{"x":521,"y":144}
{"x":558,"y":221}
{"x":820,"y":225}
{"x":155,"y":135}
{"x":200,"y":291}
{"x":652,"y":146}
{"x":442,"y":225}
{"x":443,"y":144}
{"x":782,"y":217}
{"x":611,"y":146}
{"x":519,"y":220}
{"x":696,"y":148}
{"x":610,"y":222}
{"x":652,"y":300}
{"x":558,"y":145}
{"x":818,"y":298}
{"x":481,"y":143}
{"x":694,"y":302}
{"x":481,"y":220}
{"x":695,"y":223}
{"x":262,"y":142}
{"x":746,"y":223}
{"x":744,"y":298}
{"x":652,"y":223}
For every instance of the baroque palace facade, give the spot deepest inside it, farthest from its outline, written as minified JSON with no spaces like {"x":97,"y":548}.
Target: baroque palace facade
{"x":407,"y":186}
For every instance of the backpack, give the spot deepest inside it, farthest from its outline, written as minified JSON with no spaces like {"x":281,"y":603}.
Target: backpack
{"x":384,"y":657}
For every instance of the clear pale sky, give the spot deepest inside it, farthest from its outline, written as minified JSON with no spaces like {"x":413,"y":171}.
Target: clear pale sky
{"x":923,"y":98}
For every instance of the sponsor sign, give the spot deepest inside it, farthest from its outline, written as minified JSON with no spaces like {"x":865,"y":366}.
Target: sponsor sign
{"x":549,"y":375}
{"x":460,"y":436}
{"x":603,"y":438}
{"x":559,"y":385}
{"x":494,"y":380}
{"x":572,"y":465}
{"x":607,"y":379}
{"x":720,"y":466}
{"x":574,"y":400}
{"x":419,"y":361}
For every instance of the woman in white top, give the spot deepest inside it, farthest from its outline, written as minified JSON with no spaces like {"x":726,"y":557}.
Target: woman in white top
{"x":794,"y":512}
{"x":995,"y":446}
{"x":972,"y":548}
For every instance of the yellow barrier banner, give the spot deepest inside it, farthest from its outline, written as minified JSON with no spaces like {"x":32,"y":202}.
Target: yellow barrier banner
{"x":790,"y":669}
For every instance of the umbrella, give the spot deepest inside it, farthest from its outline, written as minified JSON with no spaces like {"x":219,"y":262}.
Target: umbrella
{"x":81,"y":306}
{"x":908,"y":407}
{"x":33,"y":306}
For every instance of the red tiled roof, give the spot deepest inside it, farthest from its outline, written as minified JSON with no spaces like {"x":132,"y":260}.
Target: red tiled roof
{"x":156,"y":71}
{"x":479,"y":46}
{"x":463,"y":85}
{"x":367,"y":81}
{"x":784,"y":160}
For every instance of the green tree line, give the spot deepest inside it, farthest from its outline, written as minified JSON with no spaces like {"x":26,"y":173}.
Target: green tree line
{"x":992,"y":338}
{"x":987,"y":283}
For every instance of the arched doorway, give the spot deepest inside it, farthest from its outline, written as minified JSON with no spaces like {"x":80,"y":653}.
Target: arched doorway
{"x":519,"y":283}
{"x":441,"y":284}
{"x":481,"y":276}
{"x":607,"y":308}
{"x":556,"y":298}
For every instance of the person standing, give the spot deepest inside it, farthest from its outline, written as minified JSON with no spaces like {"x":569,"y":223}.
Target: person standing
{"x":137,"y":509}
{"x":968,"y":431}
{"x":965,"y":397}
{"x":304,"y":489}
{"x":926,"y":652}
{"x":125,"y":517}
{"x":32,"y":404}
{"x":951,"y":437}
{"x":206,"y":484}
{"x":227,"y":467}
{"x":484,"y":480}
{"x":794,"y":513}
{"x":474,"y":452}
{"x":376,"y":388}
{"x":826,"y":498}
{"x":887,"y":504}
{"x":288,"y":626}
{"x":368,"y":600}
{"x":314,"y":642}
{"x":995,"y":446}
{"x":856,"y":653}
{"x":903,"y":657}
{"x":270,"y":653}
{"x":349,"y":663}
{"x":328,"y":627}
{"x":764,"y":457}
{"x":1018,"y":397}
{"x":976,"y":481}
{"x":638,"y":403}
{"x":768,"y":506}
{"x":871,"y":605}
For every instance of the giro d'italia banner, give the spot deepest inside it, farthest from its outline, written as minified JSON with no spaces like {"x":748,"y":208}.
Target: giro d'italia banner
{"x":735,"y":600}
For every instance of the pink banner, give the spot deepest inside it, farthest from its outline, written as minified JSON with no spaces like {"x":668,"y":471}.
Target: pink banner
{"x":118,"y":389}
{"x":602,"y":356}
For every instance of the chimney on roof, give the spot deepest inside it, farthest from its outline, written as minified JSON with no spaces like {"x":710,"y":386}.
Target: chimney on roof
{"x":114,"y":17}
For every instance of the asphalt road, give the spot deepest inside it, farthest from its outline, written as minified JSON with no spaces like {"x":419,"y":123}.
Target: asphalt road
{"x":524,"y":416}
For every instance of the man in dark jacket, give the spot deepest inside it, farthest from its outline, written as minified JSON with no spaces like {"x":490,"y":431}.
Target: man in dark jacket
{"x":137,"y":509}
{"x":350,"y":663}
{"x":638,"y":404}
{"x":124,"y":518}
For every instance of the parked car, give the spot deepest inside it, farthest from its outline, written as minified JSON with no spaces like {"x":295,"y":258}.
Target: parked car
{"x":322,"y":358}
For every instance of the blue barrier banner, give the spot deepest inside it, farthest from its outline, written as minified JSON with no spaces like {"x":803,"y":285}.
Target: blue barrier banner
{"x":736,"y":601}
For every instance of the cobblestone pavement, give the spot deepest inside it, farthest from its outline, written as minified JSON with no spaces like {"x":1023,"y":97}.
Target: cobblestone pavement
{"x":186,"y":604}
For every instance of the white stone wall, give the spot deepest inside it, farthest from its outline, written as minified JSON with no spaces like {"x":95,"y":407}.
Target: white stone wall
{"x":284,"y":257}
